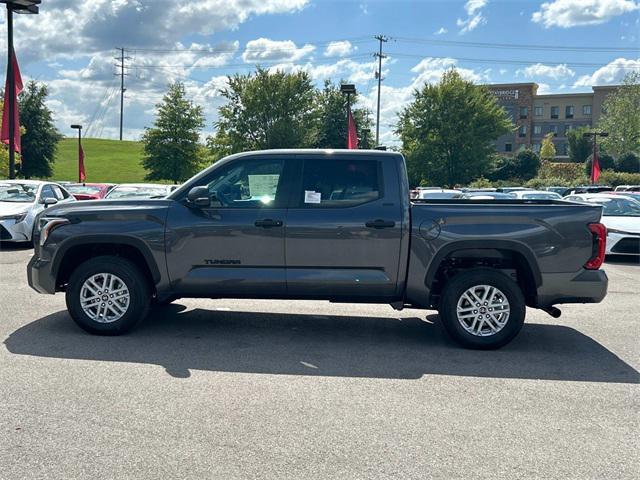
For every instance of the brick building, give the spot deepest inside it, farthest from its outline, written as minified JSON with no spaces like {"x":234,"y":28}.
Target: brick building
{"x":535,"y":115}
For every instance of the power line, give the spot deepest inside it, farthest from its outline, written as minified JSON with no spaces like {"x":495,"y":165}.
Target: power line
{"x":558,"y":48}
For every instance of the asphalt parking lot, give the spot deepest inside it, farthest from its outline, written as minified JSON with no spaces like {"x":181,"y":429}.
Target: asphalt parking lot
{"x":255,"y":389}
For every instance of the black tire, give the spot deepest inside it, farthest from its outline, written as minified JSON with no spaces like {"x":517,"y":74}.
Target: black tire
{"x":131,"y":276}
{"x":454,"y":290}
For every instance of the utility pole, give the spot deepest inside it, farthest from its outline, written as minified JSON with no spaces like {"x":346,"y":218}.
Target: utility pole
{"x":382,"y":39}
{"x":122,"y":89}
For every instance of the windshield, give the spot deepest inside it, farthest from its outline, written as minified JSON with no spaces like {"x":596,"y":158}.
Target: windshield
{"x":83,"y":189}
{"x":541,"y":196}
{"x":18,"y":193}
{"x":137,"y":192}
{"x":618,"y":207}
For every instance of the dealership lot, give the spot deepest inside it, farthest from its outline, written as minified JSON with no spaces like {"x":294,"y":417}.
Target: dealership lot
{"x":258,"y":389}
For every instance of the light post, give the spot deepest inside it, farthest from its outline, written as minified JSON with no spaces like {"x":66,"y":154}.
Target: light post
{"x":348,"y":89}
{"x":80,"y":153}
{"x":17,"y":6}
{"x":595,"y":136}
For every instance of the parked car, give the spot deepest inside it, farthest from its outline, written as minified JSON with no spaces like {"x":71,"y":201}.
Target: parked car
{"x":488,"y":196}
{"x":536,"y":195}
{"x":325,"y":225}
{"x":439,"y":194}
{"x":89,"y":191}
{"x":138,"y":190}
{"x":511,"y":189}
{"x":21,"y":201}
{"x":621,"y":216}
{"x":587,"y":189}
{"x":562,"y":191}
{"x":627,"y":188}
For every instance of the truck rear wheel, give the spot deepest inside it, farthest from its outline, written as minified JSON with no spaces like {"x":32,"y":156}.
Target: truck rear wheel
{"x":482,"y":309}
{"x":107,"y":295}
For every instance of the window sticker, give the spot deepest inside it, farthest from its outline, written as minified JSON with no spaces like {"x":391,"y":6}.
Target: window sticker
{"x":312,"y":197}
{"x":263,"y":185}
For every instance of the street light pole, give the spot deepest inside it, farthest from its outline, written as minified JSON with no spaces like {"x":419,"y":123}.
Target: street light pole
{"x":595,"y":136}
{"x":348,"y":89}
{"x":79,"y":128}
{"x":11,"y":94}
{"x":17,"y":6}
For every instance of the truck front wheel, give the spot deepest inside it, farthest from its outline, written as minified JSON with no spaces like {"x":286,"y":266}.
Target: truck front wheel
{"x":107,"y":295}
{"x":482,"y":308}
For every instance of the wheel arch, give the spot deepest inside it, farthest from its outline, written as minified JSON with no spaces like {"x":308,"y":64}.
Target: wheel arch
{"x":502,"y":255}
{"x":76,"y":250}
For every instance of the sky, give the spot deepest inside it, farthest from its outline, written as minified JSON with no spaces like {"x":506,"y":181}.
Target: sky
{"x":563,"y":45}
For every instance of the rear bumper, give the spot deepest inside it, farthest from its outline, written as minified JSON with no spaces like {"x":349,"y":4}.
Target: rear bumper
{"x":584,"y":286}
{"x":40,"y":276}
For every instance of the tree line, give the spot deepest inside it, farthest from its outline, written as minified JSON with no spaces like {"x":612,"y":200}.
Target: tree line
{"x":447,"y":130}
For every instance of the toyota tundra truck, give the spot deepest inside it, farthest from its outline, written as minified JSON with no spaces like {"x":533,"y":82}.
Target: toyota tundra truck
{"x":334,"y":225}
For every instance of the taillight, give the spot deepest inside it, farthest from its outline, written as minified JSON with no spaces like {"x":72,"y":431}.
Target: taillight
{"x":599,"y":232}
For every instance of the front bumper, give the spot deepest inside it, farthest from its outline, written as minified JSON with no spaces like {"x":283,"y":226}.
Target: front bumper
{"x":40,"y":275}
{"x":10,"y":231}
{"x":623,"y":243}
{"x":584,"y":286}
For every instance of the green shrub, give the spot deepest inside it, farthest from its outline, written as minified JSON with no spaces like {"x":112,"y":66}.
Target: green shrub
{"x":606,"y":161}
{"x":629,"y":163}
{"x":569,"y":172}
{"x":523,"y":166}
{"x":551,"y":182}
{"x":613,"y":179}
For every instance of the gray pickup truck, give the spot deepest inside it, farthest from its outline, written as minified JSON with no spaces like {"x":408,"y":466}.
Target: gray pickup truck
{"x":328,"y":225}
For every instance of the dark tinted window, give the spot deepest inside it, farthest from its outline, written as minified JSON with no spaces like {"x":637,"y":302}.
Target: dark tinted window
{"x":340,"y":183}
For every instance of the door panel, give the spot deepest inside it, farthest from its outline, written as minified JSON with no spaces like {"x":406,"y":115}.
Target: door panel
{"x":235,"y":247}
{"x":347,"y":245}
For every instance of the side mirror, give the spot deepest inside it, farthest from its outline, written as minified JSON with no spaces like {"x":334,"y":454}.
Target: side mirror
{"x":199,"y":197}
{"x":49,"y":201}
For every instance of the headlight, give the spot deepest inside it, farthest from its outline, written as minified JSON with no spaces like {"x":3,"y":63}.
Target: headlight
{"x":18,"y":217}
{"x":46,"y":225}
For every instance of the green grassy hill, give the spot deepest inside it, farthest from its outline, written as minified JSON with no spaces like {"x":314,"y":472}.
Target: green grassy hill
{"x":108,"y":161}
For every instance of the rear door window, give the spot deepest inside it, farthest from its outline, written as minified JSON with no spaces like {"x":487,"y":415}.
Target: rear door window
{"x":340,"y":183}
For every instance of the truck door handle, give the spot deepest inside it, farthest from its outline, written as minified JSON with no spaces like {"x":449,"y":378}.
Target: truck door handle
{"x":268,"y":223}
{"x":380,"y":224}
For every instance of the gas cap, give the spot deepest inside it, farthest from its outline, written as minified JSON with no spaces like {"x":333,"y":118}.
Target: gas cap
{"x":430,"y":229}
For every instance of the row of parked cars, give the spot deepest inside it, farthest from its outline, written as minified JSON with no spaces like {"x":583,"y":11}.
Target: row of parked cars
{"x":22,"y":200}
{"x":620,"y":206}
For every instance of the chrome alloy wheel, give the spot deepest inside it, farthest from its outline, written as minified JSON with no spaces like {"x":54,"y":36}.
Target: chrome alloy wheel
{"x":104,"y":298}
{"x":483,"y":310}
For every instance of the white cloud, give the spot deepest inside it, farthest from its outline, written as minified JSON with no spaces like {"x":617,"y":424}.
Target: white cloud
{"x":264,"y":49}
{"x":612,"y":73}
{"x":440,"y":31}
{"x":475,"y":18}
{"x":572,"y":13}
{"x":339,"y":49}
{"x":72,"y":29}
{"x":538,"y":70}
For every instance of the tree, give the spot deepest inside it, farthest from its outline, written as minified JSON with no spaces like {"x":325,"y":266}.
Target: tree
{"x":629,"y":163}
{"x":171,"y":148}
{"x":622,"y":117}
{"x":448,"y":129}
{"x":579,"y":146}
{"x":332,"y":115}
{"x":524,"y":166}
{"x":266,"y":110}
{"x":40,"y":137}
{"x":548,"y":149}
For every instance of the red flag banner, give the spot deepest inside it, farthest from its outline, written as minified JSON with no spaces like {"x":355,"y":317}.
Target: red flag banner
{"x":82,"y":176}
{"x":4,"y":134}
{"x":352,"y":135}
{"x":595,"y":168}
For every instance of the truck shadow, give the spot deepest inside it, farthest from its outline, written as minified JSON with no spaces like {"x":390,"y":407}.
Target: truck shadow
{"x":307,"y":344}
